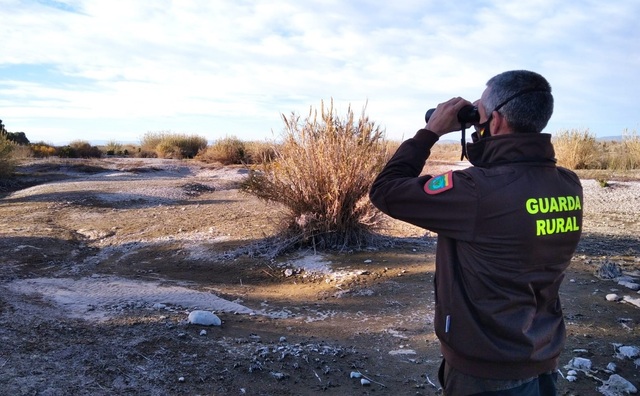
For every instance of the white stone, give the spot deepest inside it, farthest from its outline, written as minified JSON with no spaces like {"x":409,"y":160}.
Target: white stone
{"x":402,"y":352}
{"x":355,"y":374}
{"x":571,"y":378}
{"x":580,"y":363}
{"x":630,"y":285}
{"x":204,"y":318}
{"x":628,"y":351}
{"x":617,"y":385}
{"x":613,"y":297}
{"x":365,"y":382}
{"x":572,"y":372}
{"x":612,"y":367}
{"x":159,"y":306}
{"x":633,"y":301}
{"x":203,"y":332}
{"x":288,"y":272}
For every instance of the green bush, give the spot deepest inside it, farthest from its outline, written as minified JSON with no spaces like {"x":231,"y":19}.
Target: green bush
{"x":7,"y":164}
{"x":322,"y":173}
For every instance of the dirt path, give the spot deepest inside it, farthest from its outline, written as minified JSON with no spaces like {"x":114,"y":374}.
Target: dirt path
{"x":102,"y":263}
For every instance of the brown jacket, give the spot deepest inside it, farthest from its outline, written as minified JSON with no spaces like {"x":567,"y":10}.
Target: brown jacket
{"x":507,"y":229}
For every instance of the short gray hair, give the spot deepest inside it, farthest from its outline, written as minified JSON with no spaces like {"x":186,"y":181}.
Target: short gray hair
{"x":526,"y":112}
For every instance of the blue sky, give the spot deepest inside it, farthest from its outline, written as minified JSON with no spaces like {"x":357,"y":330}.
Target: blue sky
{"x":101,"y":70}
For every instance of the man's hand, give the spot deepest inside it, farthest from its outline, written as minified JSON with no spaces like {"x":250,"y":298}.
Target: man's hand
{"x":445,"y":118}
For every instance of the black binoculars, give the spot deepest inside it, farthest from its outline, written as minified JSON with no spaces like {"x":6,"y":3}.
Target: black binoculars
{"x":467,"y":115}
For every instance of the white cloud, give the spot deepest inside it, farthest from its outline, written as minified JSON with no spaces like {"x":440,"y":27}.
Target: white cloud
{"x":243,"y":63}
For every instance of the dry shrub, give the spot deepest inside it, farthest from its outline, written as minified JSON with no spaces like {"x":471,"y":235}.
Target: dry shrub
{"x":83,"y":149}
{"x":21,"y":152}
{"x":576,"y":149}
{"x":43,"y":150}
{"x":172,"y":145}
{"x":227,"y":151}
{"x":259,"y":152}
{"x":322,"y":173}
{"x":624,"y":155}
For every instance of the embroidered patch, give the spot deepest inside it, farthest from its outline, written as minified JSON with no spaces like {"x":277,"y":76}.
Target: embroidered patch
{"x":440,"y":183}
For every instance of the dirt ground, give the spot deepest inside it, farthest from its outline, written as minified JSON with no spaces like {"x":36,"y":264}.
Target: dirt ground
{"x":102,"y":262}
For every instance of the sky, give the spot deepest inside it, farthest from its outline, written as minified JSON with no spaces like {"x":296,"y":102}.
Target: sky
{"x":98,"y":70}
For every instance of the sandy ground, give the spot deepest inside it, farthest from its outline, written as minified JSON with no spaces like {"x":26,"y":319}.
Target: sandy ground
{"x":103,"y":261}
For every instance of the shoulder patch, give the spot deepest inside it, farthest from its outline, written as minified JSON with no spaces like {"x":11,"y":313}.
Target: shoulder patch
{"x":440,"y":183}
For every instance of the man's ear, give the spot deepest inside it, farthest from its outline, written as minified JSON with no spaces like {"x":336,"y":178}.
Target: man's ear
{"x":499,"y":124}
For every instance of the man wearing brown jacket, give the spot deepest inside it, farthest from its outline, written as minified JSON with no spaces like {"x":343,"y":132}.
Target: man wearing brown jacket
{"x":507,"y":229}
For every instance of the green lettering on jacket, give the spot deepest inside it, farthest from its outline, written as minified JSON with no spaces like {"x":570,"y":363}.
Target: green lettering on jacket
{"x":556,"y":225}
{"x":553,"y":204}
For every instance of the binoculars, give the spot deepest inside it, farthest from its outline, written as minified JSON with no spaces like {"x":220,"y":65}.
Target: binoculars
{"x":467,"y":115}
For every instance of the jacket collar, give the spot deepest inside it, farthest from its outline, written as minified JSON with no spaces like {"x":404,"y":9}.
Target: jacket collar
{"x":511,"y":148}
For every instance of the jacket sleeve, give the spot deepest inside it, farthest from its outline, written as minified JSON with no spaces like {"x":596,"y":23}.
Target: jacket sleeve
{"x":399,"y":191}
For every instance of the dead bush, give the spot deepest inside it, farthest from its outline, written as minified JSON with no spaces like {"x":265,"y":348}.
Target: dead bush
{"x":227,"y":151}
{"x":322,"y":173}
{"x":623,"y":155}
{"x":172,"y":145}
{"x":576,"y":149}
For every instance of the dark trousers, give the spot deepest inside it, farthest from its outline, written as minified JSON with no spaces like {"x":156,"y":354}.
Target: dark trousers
{"x":455,"y":383}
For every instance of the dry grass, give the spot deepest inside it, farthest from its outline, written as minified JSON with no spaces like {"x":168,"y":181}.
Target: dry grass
{"x":579,"y":149}
{"x":322,"y":173}
{"x":167,"y":144}
{"x":623,"y":155}
{"x":576,"y":149}
{"x":227,"y":151}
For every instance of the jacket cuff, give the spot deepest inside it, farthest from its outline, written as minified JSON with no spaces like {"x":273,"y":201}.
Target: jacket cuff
{"x":426,"y":137}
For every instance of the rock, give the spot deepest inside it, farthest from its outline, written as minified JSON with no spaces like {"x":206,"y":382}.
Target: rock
{"x":616,"y":385}
{"x":579,"y":363}
{"x":613,"y":297}
{"x":355,"y":374}
{"x":365,"y":382}
{"x":159,"y":306}
{"x":181,"y":379}
{"x":572,"y":372}
{"x":278,"y":376}
{"x":628,"y":352}
{"x":632,"y":301}
{"x":630,"y":285}
{"x":402,"y":352}
{"x":288,"y":272}
{"x":571,"y":378}
{"x":204,"y":318}
{"x":612,"y":367}
{"x":203,"y":332}
{"x":283,"y":339}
